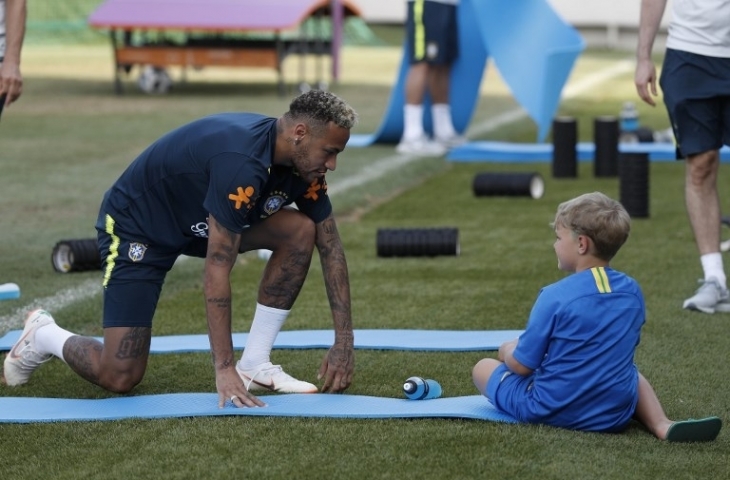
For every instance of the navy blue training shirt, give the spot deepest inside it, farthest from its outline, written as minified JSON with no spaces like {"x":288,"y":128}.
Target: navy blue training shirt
{"x":220,"y":164}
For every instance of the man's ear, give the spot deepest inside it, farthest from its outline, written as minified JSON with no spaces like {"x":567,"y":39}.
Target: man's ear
{"x":300,"y":129}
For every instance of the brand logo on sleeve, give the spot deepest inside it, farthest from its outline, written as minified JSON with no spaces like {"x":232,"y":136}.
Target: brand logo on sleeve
{"x":315,"y":189}
{"x":242,"y":197}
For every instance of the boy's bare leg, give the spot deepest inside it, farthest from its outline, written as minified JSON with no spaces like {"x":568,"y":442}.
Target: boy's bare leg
{"x":650,"y":412}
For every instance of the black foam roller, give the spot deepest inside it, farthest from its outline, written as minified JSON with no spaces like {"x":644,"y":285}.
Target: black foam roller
{"x":417,"y":242}
{"x":605,"y":138}
{"x":565,"y":156}
{"x":634,"y":183}
{"x":508,"y":184}
{"x":76,"y":255}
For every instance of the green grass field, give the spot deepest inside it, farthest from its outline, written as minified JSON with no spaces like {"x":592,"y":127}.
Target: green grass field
{"x":70,"y":136}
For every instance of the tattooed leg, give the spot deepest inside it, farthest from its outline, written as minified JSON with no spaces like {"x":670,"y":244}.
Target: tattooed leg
{"x":118,"y":364}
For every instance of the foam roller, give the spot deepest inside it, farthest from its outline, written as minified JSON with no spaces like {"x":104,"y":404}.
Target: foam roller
{"x":634,"y":183}
{"x":417,"y":242}
{"x":508,"y":184}
{"x":76,"y":255}
{"x":565,"y":139}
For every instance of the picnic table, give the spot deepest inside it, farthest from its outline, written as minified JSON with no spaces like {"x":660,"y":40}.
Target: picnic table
{"x":230,"y":33}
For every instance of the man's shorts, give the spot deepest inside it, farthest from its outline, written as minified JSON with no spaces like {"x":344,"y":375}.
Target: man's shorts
{"x":134,"y":272}
{"x":431,"y":30}
{"x":696,"y":91}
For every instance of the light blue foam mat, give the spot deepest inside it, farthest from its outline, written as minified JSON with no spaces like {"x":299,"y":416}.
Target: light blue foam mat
{"x":533,"y":48}
{"x":178,"y":405}
{"x":489,"y":151}
{"x":376,"y":339}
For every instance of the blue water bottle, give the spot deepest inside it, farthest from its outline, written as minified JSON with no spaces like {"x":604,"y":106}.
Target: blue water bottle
{"x":419,"y":388}
{"x":629,"y":124}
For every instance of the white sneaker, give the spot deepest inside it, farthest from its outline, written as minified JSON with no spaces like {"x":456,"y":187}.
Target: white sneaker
{"x":453,"y":141}
{"x":422,"y":146}
{"x":709,"y":298}
{"x":271,"y":377}
{"x":22,"y":359}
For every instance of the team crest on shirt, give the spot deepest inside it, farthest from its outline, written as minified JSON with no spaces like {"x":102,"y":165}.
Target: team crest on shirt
{"x":274,"y":203}
{"x":136,"y":251}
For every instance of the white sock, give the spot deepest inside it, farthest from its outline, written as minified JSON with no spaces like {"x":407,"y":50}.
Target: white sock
{"x":267,"y":322}
{"x":50,"y":339}
{"x":443,"y":126}
{"x":712,"y":266}
{"x":412,"y":121}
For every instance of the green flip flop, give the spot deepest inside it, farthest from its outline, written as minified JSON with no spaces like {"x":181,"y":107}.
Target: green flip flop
{"x":702,"y":430}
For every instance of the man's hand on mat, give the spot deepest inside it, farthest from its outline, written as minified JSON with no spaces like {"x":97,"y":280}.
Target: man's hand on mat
{"x":230,"y":388}
{"x":337,"y":368}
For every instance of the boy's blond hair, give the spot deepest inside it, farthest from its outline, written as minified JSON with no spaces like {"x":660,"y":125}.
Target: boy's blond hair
{"x":599,"y":217}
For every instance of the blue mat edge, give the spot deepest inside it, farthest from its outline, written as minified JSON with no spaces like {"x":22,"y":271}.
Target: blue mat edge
{"x":53,"y":410}
{"x":171,"y":343}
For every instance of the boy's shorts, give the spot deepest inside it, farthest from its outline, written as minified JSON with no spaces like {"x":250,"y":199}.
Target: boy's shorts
{"x":432,"y":32}
{"x":696,"y":91}
{"x":508,"y":391}
{"x":133,"y":276}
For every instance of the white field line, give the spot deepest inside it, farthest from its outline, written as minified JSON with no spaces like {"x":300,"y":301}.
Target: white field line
{"x":369,"y":173}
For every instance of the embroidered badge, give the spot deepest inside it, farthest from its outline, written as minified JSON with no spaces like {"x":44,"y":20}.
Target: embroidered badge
{"x":136,"y":251}
{"x":273,"y":204}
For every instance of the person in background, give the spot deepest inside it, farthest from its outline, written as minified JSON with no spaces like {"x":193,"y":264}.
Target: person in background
{"x":431,"y":27}
{"x":214,"y":188}
{"x":13,"y":14}
{"x":695,"y":81}
{"x":573,"y":366}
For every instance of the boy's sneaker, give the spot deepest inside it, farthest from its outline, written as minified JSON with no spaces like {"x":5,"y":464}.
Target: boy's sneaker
{"x":709,"y":298}
{"x":422,"y":146}
{"x":273,"y":378}
{"x":22,"y":359}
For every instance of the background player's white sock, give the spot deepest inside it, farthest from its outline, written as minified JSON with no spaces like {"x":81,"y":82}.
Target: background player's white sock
{"x":412,"y":122}
{"x":443,"y":125}
{"x":713,"y":267}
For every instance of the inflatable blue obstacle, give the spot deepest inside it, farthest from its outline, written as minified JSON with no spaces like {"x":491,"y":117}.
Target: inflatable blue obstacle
{"x":532,"y":47}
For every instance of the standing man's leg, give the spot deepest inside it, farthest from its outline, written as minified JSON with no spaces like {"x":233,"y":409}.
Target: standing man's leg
{"x":443,"y":125}
{"x":695,"y":90}
{"x":414,"y":139}
{"x":703,"y":208}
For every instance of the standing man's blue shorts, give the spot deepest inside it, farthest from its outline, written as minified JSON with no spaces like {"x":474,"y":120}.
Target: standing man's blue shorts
{"x":431,"y":30}
{"x":696,"y":92}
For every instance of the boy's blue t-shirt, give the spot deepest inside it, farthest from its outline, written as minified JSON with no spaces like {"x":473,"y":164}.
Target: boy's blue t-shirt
{"x":220,"y":164}
{"x":580,"y":341}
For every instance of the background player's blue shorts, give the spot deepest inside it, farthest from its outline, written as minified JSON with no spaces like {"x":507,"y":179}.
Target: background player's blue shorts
{"x":439,"y":44}
{"x":696,"y":91}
